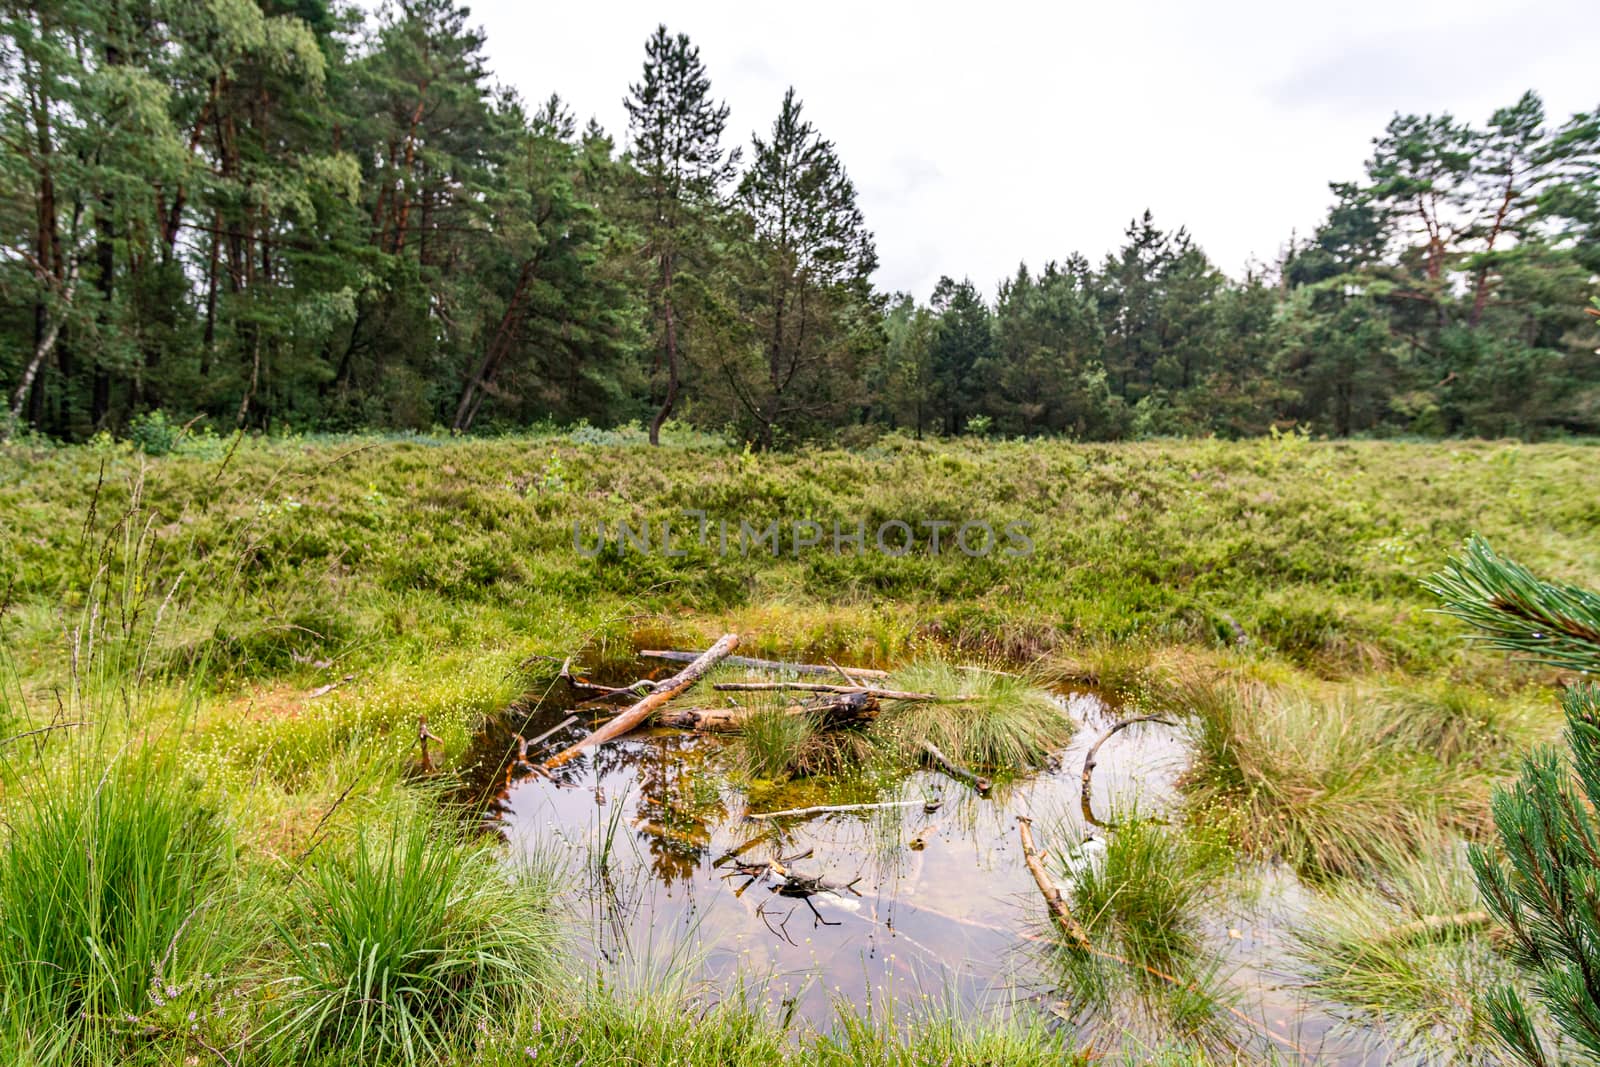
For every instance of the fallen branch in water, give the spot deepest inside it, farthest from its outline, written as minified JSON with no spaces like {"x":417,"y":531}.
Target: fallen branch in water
{"x":1089,"y":764}
{"x":1047,"y":887}
{"x":822,"y":809}
{"x":763,"y":664}
{"x":592,"y":692}
{"x":848,"y":710}
{"x":664,"y":691}
{"x":819,"y":687}
{"x":524,"y":745}
{"x":955,"y":770}
{"x":1079,"y":937}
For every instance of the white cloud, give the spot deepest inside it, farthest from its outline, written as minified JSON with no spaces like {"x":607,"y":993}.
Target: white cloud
{"x":981,"y":135}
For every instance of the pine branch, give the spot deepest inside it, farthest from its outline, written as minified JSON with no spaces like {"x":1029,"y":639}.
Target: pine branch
{"x":1516,"y":612}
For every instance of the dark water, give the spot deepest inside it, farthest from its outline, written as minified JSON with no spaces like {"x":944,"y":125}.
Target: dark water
{"x":919,"y":904}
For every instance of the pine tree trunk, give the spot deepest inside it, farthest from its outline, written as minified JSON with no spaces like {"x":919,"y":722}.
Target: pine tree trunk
{"x":672,"y":354}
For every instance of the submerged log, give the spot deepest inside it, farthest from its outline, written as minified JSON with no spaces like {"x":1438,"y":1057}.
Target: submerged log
{"x":823,"y":809}
{"x":763,"y":664}
{"x":955,"y":770}
{"x":664,"y":691}
{"x":1047,"y":887}
{"x":848,"y":710}
{"x":1089,"y":764}
{"x":820,"y":687}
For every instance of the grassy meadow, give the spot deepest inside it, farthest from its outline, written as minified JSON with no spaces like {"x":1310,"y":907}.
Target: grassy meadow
{"x":221,"y":847}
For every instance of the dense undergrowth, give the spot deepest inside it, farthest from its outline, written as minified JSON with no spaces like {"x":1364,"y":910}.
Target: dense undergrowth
{"x":233,"y":861}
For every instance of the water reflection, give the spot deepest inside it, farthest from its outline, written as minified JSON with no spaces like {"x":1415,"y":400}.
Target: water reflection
{"x":892,"y":909}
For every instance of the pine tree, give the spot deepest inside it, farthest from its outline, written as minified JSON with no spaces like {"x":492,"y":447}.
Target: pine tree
{"x":676,"y":131}
{"x":1543,"y":882}
{"x":807,"y":286}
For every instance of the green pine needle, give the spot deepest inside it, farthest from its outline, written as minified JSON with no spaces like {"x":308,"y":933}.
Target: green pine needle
{"x":1555,"y":624}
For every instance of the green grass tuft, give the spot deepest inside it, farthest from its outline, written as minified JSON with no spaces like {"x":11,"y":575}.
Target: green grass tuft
{"x":114,"y":888}
{"x":398,"y":948}
{"x":1361,"y":945}
{"x":1013,"y":724}
{"x":1335,"y":784}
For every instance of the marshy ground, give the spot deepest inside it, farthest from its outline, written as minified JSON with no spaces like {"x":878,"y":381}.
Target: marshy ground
{"x":228,"y":651}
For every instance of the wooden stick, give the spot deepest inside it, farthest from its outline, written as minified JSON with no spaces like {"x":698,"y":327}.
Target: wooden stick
{"x":824,"y":808}
{"x":1052,"y":896}
{"x":1079,"y":937}
{"x":819,"y":687}
{"x":955,"y":770}
{"x":642,"y":710}
{"x":42,"y":730}
{"x":725,"y":720}
{"x":1433,"y":924}
{"x":634,"y":689}
{"x":424,"y":735}
{"x":1089,"y":763}
{"x":763,"y":664}
{"x":716,"y":720}
{"x":523,"y":746}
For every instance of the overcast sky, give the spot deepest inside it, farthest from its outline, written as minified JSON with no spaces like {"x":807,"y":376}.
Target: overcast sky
{"x":983,"y":134}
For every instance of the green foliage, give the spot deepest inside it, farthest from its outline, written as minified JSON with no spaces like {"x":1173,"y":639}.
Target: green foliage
{"x":423,"y":574}
{"x":153,"y":434}
{"x":1401,"y":951}
{"x":398,"y":949}
{"x":1542,"y":884}
{"x":773,"y":743}
{"x":1010,"y":723}
{"x":1543,"y":881}
{"x":1334,"y":784}
{"x":1516,"y":612}
{"x":115,"y":903}
{"x":1143,"y":896}
{"x":462,"y":259}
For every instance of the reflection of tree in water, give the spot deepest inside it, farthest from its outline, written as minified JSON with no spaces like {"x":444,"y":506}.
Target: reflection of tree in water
{"x":677,"y":803}
{"x":677,"y":798}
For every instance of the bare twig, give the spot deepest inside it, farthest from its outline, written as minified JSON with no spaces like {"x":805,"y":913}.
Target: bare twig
{"x":955,"y":770}
{"x":642,"y":710}
{"x":1089,"y":762}
{"x":824,"y":808}
{"x":42,"y":730}
{"x":764,"y":664}
{"x":819,"y":687}
{"x":523,"y":746}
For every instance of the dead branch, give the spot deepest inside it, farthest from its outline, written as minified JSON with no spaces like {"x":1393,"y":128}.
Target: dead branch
{"x":821,"y":809}
{"x":1433,"y":924}
{"x":663,"y":692}
{"x":955,"y":770}
{"x":1052,"y":896}
{"x":524,"y":745}
{"x":848,"y":710}
{"x":424,"y":735}
{"x":592,"y":692}
{"x":324,"y":690}
{"x":764,"y":664}
{"x":820,"y":687}
{"x":1089,"y":763}
{"x":1078,"y":937}
{"x":42,"y":730}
